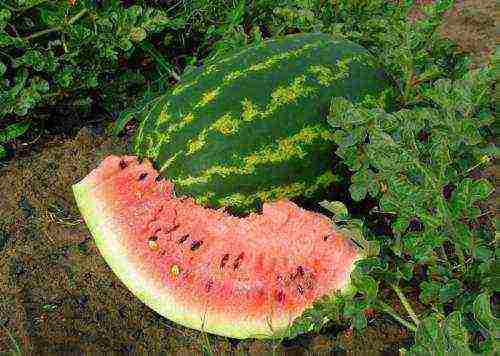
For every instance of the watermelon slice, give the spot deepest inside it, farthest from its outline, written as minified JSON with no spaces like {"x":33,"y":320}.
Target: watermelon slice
{"x":204,"y":268}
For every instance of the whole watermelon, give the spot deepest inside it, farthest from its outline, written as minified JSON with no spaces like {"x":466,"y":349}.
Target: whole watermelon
{"x":252,"y":127}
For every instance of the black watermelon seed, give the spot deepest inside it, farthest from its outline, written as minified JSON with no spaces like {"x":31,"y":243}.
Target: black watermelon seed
{"x":238,"y":260}
{"x":325,"y":237}
{"x":143,"y":176}
{"x":280,"y":296}
{"x":158,"y":178}
{"x":196,"y":245}
{"x":123,"y":164}
{"x":299,"y":272}
{"x":224,"y":260}
{"x":175,"y":227}
{"x":153,"y":238}
{"x":183,"y":238}
{"x":300,"y":289}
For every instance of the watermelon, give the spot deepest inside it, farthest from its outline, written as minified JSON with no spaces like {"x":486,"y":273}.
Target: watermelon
{"x":251,"y":127}
{"x":206,"y":269}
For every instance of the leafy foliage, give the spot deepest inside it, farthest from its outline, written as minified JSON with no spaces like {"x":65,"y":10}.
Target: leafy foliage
{"x":417,"y":151}
{"x":11,"y":132}
{"x":72,"y":56}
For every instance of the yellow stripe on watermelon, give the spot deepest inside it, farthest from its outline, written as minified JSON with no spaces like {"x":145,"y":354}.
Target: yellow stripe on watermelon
{"x":282,"y":151}
{"x":281,"y":96}
{"x":171,"y":160}
{"x":207,"y":97}
{"x":181,"y":87}
{"x":226,"y":125}
{"x":268,"y":63}
{"x":140,"y":138}
{"x":250,"y":111}
{"x":278,"y":192}
{"x":164,"y":136}
{"x":195,"y":144}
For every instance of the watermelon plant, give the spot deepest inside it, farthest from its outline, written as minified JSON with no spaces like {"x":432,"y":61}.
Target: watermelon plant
{"x":74,"y":59}
{"x":421,"y":160}
{"x":251,"y":127}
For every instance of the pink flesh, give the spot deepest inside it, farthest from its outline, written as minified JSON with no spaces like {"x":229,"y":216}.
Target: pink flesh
{"x":280,"y":260}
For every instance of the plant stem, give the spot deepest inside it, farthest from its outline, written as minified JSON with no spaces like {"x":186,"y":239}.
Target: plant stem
{"x":389,"y":310}
{"x":17,"y":351}
{"x":57,"y":28}
{"x":406,"y":304}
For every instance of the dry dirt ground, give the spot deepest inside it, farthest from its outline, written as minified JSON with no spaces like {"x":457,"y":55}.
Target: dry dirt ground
{"x":58,"y":296}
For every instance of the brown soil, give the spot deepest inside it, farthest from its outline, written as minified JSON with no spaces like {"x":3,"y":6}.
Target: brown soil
{"x":470,"y":24}
{"x":57,"y":295}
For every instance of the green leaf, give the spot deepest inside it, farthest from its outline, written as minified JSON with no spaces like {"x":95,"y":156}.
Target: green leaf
{"x":343,"y":138}
{"x":14,"y":130}
{"x":463,"y":237}
{"x":50,"y":18}
{"x":5,"y":39}
{"x":137,"y":34}
{"x":456,"y":335}
{"x":400,"y":224}
{"x":358,"y":321}
{"x":450,"y":290}
{"x":484,"y":316}
{"x":40,"y":85}
{"x":421,"y":246}
{"x":431,"y":220}
{"x":365,"y":284}
{"x":440,"y":271}
{"x":337,"y":208}
{"x":125,"y":44}
{"x":4,"y":18}
{"x":127,"y":115}
{"x":65,"y":77}
{"x":3,"y":68}
{"x":482,"y":253}
{"x":340,"y":109}
{"x":439,"y":337}
{"x":429,"y":291}
{"x":358,"y":191}
{"x":468,"y":192}
{"x":363,"y":181}
{"x":3,"y":152}
{"x":33,"y":58}
{"x":428,"y":336}
{"x":354,"y":311}
{"x":406,"y":270}
{"x":440,"y":152}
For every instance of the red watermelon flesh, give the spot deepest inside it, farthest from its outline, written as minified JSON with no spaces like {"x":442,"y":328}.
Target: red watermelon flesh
{"x":204,"y":268}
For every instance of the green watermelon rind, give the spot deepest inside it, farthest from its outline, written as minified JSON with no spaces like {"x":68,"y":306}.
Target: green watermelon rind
{"x":261,"y":135}
{"x":108,"y":239}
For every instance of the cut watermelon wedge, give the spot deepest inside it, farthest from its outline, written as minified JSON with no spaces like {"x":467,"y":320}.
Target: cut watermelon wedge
{"x":203,"y":268}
